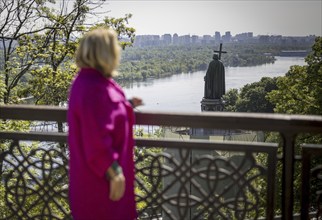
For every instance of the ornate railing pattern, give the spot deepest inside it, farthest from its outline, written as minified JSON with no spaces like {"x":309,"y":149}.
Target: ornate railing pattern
{"x":35,"y":182}
{"x":187,"y":179}
{"x":197,"y":185}
{"x":311,"y":153}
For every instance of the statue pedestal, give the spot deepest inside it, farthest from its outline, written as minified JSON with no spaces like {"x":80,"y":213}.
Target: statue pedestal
{"x":212,"y":105}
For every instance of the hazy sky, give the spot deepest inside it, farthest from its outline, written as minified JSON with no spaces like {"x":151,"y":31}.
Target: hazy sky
{"x":288,"y":17}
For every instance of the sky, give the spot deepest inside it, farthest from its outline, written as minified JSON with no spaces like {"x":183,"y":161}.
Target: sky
{"x":274,"y":17}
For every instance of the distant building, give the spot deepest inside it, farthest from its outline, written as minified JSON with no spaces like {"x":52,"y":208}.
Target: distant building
{"x":194,"y":39}
{"x":217,"y":36}
{"x":175,"y":39}
{"x":227,"y":37}
{"x":185,"y":39}
{"x":244,"y":37}
{"x":166,"y":39}
{"x":147,"y":40}
{"x":277,"y":39}
{"x":263,"y":39}
{"x":206,"y":39}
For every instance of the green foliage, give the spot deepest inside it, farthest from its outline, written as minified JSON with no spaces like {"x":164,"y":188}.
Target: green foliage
{"x":120,"y":26}
{"x":2,"y":88}
{"x":9,"y":125}
{"x":20,"y":20}
{"x":252,"y":97}
{"x":4,"y":210}
{"x":33,"y":181}
{"x":38,"y":50}
{"x":52,"y":51}
{"x":49,"y":87}
{"x":292,"y":89}
{"x":230,"y":99}
{"x":299,"y":91}
{"x":144,"y":161}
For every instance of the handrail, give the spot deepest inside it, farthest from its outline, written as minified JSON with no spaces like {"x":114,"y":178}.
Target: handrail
{"x":289,"y":126}
{"x":218,"y":120}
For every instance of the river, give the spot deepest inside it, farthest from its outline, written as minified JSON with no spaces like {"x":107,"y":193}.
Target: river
{"x":183,"y":92}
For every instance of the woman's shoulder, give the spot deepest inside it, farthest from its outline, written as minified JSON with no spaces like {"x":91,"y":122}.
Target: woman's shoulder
{"x":89,"y":82}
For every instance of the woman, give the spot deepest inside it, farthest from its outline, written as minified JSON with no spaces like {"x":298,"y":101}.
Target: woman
{"x":100,"y":137}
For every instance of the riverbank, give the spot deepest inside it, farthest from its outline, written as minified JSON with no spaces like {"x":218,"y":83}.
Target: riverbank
{"x":183,"y":92}
{"x":159,"y":62}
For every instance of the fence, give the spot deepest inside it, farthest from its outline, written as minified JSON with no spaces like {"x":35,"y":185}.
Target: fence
{"x":195,"y":176}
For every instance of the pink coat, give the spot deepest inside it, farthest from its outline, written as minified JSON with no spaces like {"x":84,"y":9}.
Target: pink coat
{"x":100,"y":131}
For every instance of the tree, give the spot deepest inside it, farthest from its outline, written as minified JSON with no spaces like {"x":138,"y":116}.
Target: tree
{"x":59,"y":69}
{"x":120,"y":26}
{"x":28,"y":32}
{"x":18,"y":20}
{"x":299,"y":91}
{"x":230,"y":99}
{"x":39,"y":40}
{"x":252,"y":97}
{"x":49,"y":81}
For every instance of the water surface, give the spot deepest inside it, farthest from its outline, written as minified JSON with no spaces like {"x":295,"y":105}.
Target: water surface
{"x":183,"y":92}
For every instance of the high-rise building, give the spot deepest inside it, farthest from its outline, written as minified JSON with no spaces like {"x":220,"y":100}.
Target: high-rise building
{"x":175,"y":39}
{"x":194,"y":39}
{"x":227,"y":37}
{"x":147,"y":40}
{"x":206,"y":39}
{"x":217,"y":36}
{"x":263,"y":39}
{"x":167,"y":39}
{"x":185,"y":39}
{"x":243,"y":37}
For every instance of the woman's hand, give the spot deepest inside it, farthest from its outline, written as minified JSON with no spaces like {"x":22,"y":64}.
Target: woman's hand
{"x":135,"y":102}
{"x":114,"y":174}
{"x":117,"y":187}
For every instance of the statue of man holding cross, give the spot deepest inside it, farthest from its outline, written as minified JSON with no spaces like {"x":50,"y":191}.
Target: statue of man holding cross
{"x":215,"y":78}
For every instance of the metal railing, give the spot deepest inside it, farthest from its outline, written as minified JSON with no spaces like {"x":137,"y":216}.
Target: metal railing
{"x":189,"y":177}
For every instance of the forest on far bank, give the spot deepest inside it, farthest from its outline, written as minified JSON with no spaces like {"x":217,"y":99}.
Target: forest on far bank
{"x":139,"y":63}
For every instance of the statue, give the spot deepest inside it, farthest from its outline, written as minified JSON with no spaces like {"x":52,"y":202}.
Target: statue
{"x":215,"y":79}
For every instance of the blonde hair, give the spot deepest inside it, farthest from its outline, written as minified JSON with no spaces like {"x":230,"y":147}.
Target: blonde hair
{"x":99,"y":49}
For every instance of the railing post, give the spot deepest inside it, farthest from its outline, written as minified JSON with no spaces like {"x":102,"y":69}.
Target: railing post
{"x":288,"y":175}
{"x":311,"y":152}
{"x":272,"y":163}
{"x":305,"y":197}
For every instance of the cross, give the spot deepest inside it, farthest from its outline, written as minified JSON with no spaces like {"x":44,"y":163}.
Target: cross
{"x":220,"y":51}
